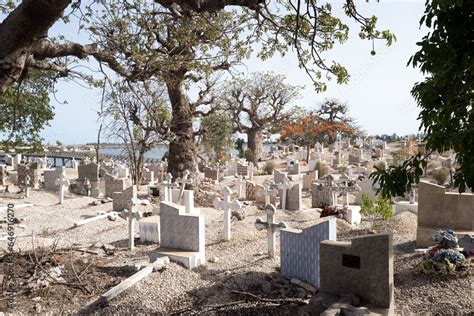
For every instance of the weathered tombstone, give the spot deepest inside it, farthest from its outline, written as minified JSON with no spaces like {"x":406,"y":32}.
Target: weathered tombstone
{"x":438,"y":209}
{"x":279,"y":176}
{"x":63,"y":184}
{"x":309,"y":178}
{"x":114,"y":185}
{"x":299,"y":251}
{"x":182,"y":236}
{"x":211,"y":173}
{"x":50,"y":177}
{"x":149,"y":228}
{"x":228,"y":206}
{"x":272,"y":228}
{"x":250,"y":190}
{"x":124,"y":200}
{"x":362,"y":266}
{"x":293,"y":198}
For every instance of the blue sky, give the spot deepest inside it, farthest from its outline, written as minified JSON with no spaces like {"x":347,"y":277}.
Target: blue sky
{"x":378,"y":93}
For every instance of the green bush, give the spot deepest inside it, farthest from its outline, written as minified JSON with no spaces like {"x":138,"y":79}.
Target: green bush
{"x":367,"y":205}
{"x":269,"y":167}
{"x":322,"y":169}
{"x":440,"y":175}
{"x":382,"y":207}
{"x":250,"y":156}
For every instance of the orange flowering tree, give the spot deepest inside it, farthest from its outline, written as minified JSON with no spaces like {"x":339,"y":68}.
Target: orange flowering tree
{"x":308,"y":128}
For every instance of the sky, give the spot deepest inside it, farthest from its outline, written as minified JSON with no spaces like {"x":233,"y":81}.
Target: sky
{"x":378,"y":93}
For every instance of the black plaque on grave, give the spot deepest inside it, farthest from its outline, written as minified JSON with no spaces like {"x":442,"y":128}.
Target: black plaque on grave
{"x":351,"y":261}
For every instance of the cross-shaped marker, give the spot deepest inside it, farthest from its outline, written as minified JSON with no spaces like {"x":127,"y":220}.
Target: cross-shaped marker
{"x":63,"y":183}
{"x":27,"y":186}
{"x":345,"y":189}
{"x":271,"y":226}
{"x":269,"y":191}
{"x":227,"y":205}
{"x":284,"y":186}
{"x":240,"y":182}
{"x":166,"y":187}
{"x":183,"y":181}
{"x":132,"y":216}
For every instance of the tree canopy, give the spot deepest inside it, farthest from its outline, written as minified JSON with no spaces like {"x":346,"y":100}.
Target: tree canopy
{"x":26,"y":109}
{"x":445,"y":97}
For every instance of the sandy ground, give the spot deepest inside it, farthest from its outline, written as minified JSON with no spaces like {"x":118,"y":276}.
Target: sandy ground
{"x":237,"y":269}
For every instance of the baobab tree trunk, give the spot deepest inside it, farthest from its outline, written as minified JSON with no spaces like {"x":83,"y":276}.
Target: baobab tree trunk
{"x":182,"y":154}
{"x":254,"y":139}
{"x":20,"y":30}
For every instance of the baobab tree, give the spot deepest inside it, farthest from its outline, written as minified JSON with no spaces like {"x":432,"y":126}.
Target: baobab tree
{"x":256,"y":103}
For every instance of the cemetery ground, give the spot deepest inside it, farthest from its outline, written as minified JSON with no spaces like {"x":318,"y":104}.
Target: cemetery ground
{"x":81,"y":263}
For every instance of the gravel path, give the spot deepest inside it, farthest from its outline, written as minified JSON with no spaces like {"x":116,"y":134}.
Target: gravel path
{"x":238,"y":265}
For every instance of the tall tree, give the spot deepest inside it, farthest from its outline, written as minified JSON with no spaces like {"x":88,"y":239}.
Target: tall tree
{"x":256,"y":103}
{"x":25,"y":110}
{"x":308,"y":26}
{"x":138,"y":115}
{"x":150,"y":42}
{"x":334,"y":112}
{"x":445,"y":96}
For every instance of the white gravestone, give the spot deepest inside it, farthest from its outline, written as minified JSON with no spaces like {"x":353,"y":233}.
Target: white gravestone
{"x":63,"y":184}
{"x":240,"y":183}
{"x":272,"y":228}
{"x":284,"y":186}
{"x":132,"y":216}
{"x":228,"y":206}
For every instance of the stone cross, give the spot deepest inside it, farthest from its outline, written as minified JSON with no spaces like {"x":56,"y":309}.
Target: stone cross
{"x":268,"y":191}
{"x":132,"y":216}
{"x":240,"y":182}
{"x":284,"y":186}
{"x":27,"y":186}
{"x":227,"y":205}
{"x":63,"y":183}
{"x":250,"y":170}
{"x":271,"y":226}
{"x":183,"y":181}
{"x":166,"y":187}
{"x":345,"y":189}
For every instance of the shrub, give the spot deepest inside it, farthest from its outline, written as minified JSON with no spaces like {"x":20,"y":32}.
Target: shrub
{"x":382,"y":207}
{"x":250,"y":156}
{"x":269,"y":167}
{"x":322,"y":169}
{"x":367,"y":205}
{"x":440,"y":175}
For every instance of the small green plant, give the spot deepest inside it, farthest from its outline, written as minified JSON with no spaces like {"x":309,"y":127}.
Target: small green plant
{"x":382,"y":207}
{"x":367,"y":205}
{"x":269,"y":167}
{"x":250,"y":156}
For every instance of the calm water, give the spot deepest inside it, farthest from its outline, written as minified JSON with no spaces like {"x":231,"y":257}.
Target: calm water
{"x":158,"y":151}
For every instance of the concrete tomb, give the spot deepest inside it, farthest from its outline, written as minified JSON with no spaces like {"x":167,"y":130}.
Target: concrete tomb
{"x":362,"y":266}
{"x":438,"y":209}
{"x":182,"y":236}
{"x":299,"y":251}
